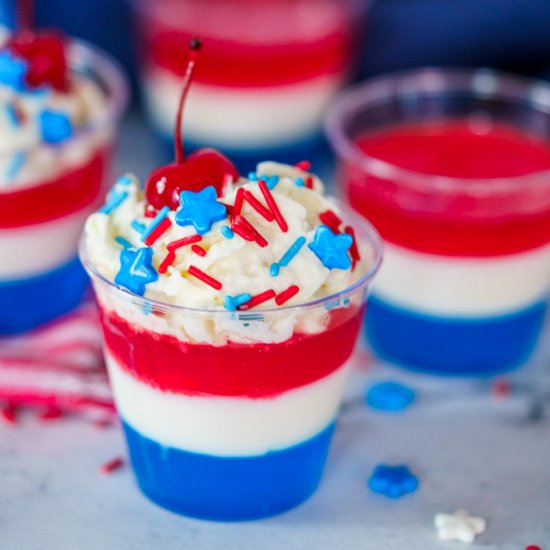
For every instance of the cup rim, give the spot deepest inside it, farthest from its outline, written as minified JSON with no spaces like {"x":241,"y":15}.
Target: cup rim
{"x":366,"y":229}
{"x":481,"y":82}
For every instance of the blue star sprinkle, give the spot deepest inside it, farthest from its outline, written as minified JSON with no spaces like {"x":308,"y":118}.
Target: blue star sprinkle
{"x":12,"y":70}
{"x":389,"y":396}
{"x":392,"y":481}
{"x":136,"y":269}
{"x":200,"y":209}
{"x":55,"y":126}
{"x":331,"y":249}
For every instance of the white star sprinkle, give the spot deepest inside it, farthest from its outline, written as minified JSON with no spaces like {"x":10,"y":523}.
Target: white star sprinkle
{"x":459,"y":526}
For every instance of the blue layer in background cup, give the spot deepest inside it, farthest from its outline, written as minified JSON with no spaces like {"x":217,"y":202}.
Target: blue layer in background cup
{"x":41,"y":218}
{"x":266,"y":75}
{"x":236,"y":431}
{"x":466,"y":279}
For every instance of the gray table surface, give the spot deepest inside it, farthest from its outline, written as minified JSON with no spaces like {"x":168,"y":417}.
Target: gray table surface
{"x":469,"y":450}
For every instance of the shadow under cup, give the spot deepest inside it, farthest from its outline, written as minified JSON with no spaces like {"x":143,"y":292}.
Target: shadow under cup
{"x":466,"y":275}
{"x":229,"y":415}
{"x":41,"y":220}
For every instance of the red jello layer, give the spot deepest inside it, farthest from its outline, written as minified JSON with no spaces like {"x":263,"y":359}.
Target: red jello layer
{"x":76,"y":188}
{"x":241,"y":60}
{"x":458,"y":222}
{"x":245,"y":370}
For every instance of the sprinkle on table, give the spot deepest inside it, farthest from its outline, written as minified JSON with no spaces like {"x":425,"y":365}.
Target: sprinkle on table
{"x":8,"y":413}
{"x":204,"y":277}
{"x":392,"y":481}
{"x":51,"y":414}
{"x":258,"y":206}
{"x":273,"y":206}
{"x":258,"y":299}
{"x":460,"y":526}
{"x":287,"y":294}
{"x":111,"y":465}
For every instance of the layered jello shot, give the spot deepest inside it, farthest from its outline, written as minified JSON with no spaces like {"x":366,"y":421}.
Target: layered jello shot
{"x":229,"y":314}
{"x":453,"y":169}
{"x":268,"y":72}
{"x":60,"y":102}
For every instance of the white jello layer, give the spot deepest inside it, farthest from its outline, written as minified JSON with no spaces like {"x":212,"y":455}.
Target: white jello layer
{"x":227,"y":426}
{"x":463,"y":287}
{"x":34,"y":249}
{"x":240,"y":117}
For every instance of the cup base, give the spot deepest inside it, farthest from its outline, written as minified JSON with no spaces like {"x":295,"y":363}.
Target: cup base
{"x":459,"y":347}
{"x":227,"y":488}
{"x":27,"y":303}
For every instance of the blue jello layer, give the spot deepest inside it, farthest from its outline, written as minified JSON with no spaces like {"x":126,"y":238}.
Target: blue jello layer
{"x":227,"y":488}
{"x":313,"y":148}
{"x":30,"y":302}
{"x":456,"y":346}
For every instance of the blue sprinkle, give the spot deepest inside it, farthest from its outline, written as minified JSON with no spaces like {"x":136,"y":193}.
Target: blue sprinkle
{"x":123,"y":242}
{"x":392,"y":481}
{"x":242,"y":299}
{"x":272,"y":182}
{"x":200,"y":209}
{"x":331,"y":248}
{"x":124,"y":180}
{"x":16,"y":164}
{"x":114,"y":200}
{"x":274,"y":269}
{"x":389,"y":396}
{"x":138,"y":226}
{"x":229,"y":303}
{"x":136,"y":269}
{"x":292,"y":251}
{"x":299,"y":182}
{"x":12,"y":71}
{"x":252,"y":176}
{"x":55,"y":126}
{"x":11,"y":113}
{"x":162,"y":213}
{"x":225,"y":230}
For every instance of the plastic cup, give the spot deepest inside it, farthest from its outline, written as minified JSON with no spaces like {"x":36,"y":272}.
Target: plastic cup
{"x":466,"y":276}
{"x":267,"y":72}
{"x":226,"y":429}
{"x":41,"y":222}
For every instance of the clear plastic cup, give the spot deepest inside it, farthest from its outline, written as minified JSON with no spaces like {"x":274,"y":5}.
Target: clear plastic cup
{"x":227,"y":427}
{"x":466,"y":276}
{"x":266,"y":74}
{"x":41,"y":220}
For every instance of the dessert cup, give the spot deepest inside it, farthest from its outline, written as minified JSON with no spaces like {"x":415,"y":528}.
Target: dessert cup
{"x":466,"y":276}
{"x":223,"y":427}
{"x":41,"y":220}
{"x":267,"y":73}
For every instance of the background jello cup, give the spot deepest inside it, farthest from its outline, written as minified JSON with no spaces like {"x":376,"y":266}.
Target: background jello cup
{"x":229,"y":415}
{"x":267,"y":71}
{"x":41,"y":218}
{"x":453,"y":169}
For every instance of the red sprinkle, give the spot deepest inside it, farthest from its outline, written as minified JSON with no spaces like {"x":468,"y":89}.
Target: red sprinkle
{"x":51,"y":413}
{"x":533,"y":547}
{"x":204,"y":277}
{"x":243,"y":222}
{"x":287,"y":294}
{"x":157,"y":232}
{"x":273,"y":206}
{"x":199,"y":250}
{"x":9,"y":413}
{"x":170,"y":257}
{"x":258,"y":206}
{"x":242,"y":232}
{"x":238,"y":202}
{"x":258,"y":299}
{"x":303,"y":165}
{"x":354,"y":251}
{"x":501,"y":388}
{"x":309,"y":182}
{"x":174,"y":245}
{"x":111,"y":465}
{"x":328,"y":217}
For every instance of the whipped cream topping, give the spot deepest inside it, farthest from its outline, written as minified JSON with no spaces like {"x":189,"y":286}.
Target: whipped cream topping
{"x":238,"y":269}
{"x":38,"y":125}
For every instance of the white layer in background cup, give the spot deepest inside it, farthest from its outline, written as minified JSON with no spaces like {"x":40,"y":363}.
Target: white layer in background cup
{"x":453,"y":169}
{"x":55,"y":158}
{"x":228,"y":356}
{"x":267,"y":73}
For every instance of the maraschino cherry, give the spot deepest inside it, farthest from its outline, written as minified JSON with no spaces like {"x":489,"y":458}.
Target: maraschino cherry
{"x":202,"y":168}
{"x":44,"y":52}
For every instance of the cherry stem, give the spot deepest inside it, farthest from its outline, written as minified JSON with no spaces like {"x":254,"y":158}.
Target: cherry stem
{"x":194,"y":46}
{"x":25,"y":14}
